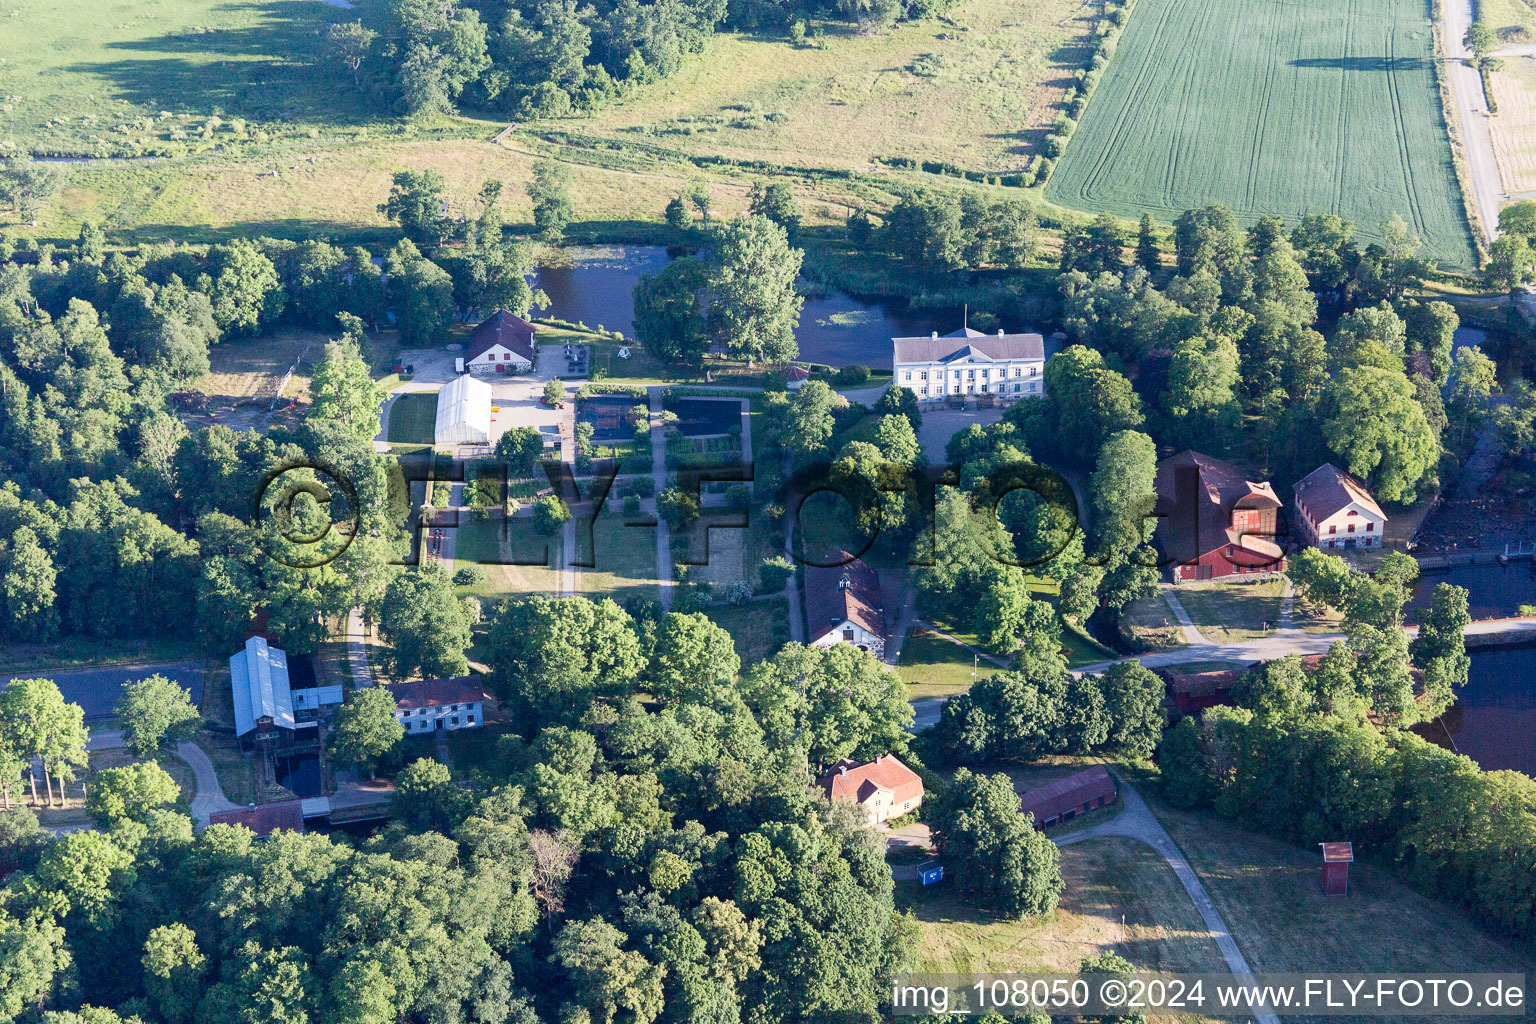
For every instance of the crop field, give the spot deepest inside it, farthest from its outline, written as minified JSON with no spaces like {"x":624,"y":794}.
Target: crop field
{"x":1513,"y":128}
{"x":979,"y":88}
{"x":1288,"y":108}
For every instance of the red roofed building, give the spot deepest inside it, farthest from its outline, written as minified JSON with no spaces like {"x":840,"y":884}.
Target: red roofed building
{"x":434,"y":704}
{"x":884,"y":788}
{"x":503,"y":343}
{"x":1337,"y":857}
{"x":1068,"y":797}
{"x":1214,"y":521}
{"x":843,"y":605}
{"x":264,"y":819}
{"x":795,"y":378}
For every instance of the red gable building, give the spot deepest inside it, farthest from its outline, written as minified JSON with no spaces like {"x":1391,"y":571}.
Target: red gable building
{"x":1068,"y":797}
{"x":1214,"y":521}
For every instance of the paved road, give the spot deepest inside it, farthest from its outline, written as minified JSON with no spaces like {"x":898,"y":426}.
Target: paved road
{"x":1472,"y":111}
{"x":1136,"y":821}
{"x":210,"y":798}
{"x":357,"y":650}
{"x":98,"y":690}
{"x":659,"y":475}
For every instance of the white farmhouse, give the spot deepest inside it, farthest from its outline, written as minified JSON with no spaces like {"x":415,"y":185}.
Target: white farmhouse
{"x":439,"y":704}
{"x":1335,"y":511}
{"x":502,"y":343}
{"x":843,"y":606}
{"x":968,"y":362}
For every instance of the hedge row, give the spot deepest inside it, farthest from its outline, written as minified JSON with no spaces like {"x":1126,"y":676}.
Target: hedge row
{"x":1086,"y":79}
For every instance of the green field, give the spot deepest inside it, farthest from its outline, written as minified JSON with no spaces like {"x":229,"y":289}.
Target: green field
{"x":1306,"y":106}
{"x":413,"y":418}
{"x":167,"y":76}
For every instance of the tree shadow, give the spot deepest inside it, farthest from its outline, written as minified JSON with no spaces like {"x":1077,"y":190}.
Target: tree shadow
{"x":267,"y":71}
{"x":1363,"y":63}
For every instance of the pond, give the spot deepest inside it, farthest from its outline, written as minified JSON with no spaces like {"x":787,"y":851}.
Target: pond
{"x":705,"y":417}
{"x":300,"y":774}
{"x":609,"y":415}
{"x":595,"y":285}
{"x":1494,"y":720}
{"x":1493,"y":591}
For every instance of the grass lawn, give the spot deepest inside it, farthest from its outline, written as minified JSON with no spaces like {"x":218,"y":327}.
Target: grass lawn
{"x":174,"y":766}
{"x":624,"y":557}
{"x":1235,"y":611}
{"x":1267,"y":892}
{"x":978,"y":88}
{"x":758,"y":628}
{"x":1269,"y":108}
{"x":413,"y":419}
{"x":481,"y":541}
{"x":1150,"y":622}
{"x":242,"y":370}
{"x":1107,"y":880}
{"x":934,"y":667}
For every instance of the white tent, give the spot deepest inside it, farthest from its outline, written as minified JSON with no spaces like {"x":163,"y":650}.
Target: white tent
{"x":463,"y":412}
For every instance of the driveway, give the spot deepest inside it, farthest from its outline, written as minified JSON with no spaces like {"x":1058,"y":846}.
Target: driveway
{"x":98,"y":690}
{"x":940,"y":424}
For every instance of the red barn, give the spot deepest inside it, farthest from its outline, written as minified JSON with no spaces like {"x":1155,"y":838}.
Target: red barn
{"x":1214,"y":521}
{"x":1337,"y":857}
{"x":1070,"y":796}
{"x":1196,"y":691}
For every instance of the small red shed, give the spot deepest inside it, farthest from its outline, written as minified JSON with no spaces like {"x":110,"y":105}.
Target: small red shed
{"x":1337,"y":857}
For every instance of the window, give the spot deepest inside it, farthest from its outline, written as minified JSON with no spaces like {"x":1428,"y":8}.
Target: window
{"x":970,"y":374}
{"x":1330,"y":544}
{"x":1034,"y":387}
{"x":469,"y":719}
{"x":923,"y":375}
{"x":454,"y":720}
{"x":848,"y":635}
{"x":1333,"y":529}
{"x":907,"y":375}
{"x":1370,"y":527}
{"x":1351,"y":527}
{"x":1017,"y":386}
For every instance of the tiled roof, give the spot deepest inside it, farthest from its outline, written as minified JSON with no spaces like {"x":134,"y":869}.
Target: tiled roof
{"x":264,"y":819}
{"x":1054,"y":798}
{"x":856,"y":783}
{"x":843,"y":593}
{"x":506,"y":329}
{"x":797,"y":373}
{"x":1199,"y":521}
{"x":935,"y":349}
{"x":1328,"y":489}
{"x":436,"y":693}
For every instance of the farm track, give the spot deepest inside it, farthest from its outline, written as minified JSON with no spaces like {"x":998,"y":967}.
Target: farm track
{"x":1283,"y":109}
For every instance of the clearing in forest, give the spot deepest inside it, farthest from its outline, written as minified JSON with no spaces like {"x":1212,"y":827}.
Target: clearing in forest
{"x":1288,"y":108}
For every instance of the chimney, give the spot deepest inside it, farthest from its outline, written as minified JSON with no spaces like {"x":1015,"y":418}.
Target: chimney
{"x":842,"y":769}
{"x":999,"y":332}
{"x":935,"y":335}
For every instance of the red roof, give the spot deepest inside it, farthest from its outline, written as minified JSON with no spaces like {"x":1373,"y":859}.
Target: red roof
{"x":508,"y":330}
{"x":856,"y":783}
{"x":1196,"y":496}
{"x":1338,"y":853}
{"x":264,"y":819}
{"x":797,"y":373}
{"x":436,"y":693}
{"x":843,"y":593}
{"x":1056,"y":798}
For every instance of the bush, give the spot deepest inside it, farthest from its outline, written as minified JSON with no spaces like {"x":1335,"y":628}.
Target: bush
{"x":851,"y":376}
{"x":550,"y":515}
{"x":469,"y":576}
{"x":631,"y":505}
{"x":738,"y":495}
{"x":738,"y":593}
{"x":773,"y":573}
{"x":644,"y":486}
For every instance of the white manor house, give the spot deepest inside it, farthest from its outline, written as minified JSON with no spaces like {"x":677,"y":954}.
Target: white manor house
{"x":968,"y":362}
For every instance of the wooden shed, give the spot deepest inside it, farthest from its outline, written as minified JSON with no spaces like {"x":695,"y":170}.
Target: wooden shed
{"x":1337,"y":857}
